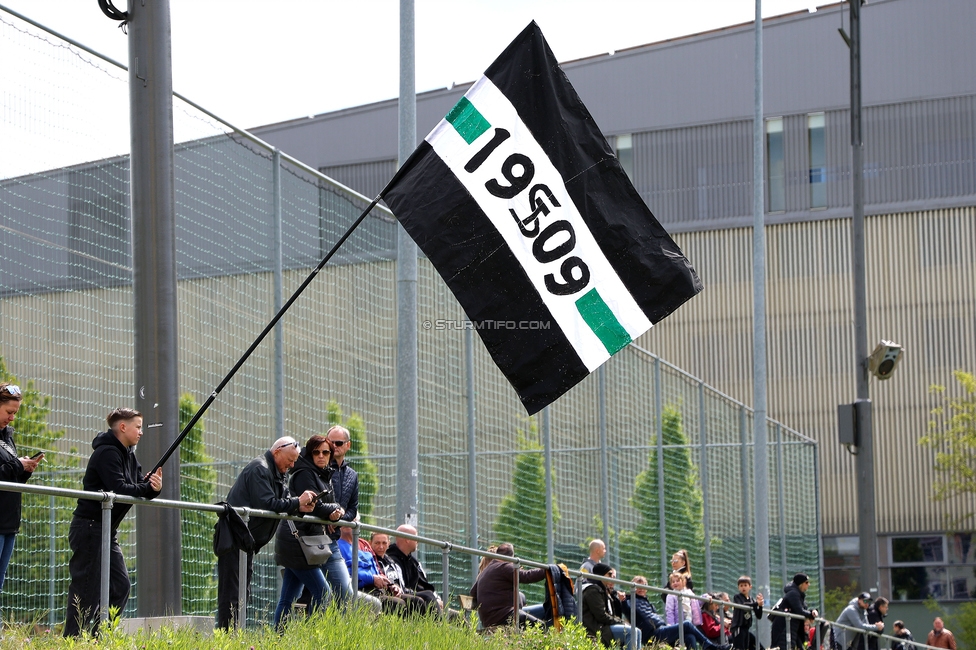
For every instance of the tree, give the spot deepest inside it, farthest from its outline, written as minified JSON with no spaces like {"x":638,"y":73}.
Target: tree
{"x":44,"y":520}
{"x":197,"y":481}
{"x":521,"y":516}
{"x":358,"y":458}
{"x":952,"y":434}
{"x":683,"y":504}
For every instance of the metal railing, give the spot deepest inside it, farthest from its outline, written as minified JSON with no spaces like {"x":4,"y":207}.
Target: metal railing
{"x":109,"y":499}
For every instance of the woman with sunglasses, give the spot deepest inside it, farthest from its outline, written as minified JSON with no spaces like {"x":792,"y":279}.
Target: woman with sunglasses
{"x":311,"y":472}
{"x":12,"y":469}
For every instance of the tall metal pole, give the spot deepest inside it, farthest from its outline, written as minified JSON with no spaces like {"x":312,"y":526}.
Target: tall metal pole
{"x":408,"y":455}
{"x":472,"y":451}
{"x":659,"y":426}
{"x":547,"y":459}
{"x":279,"y":300}
{"x":865,"y":452}
{"x":601,"y":376}
{"x":154,"y":294}
{"x":703,"y":475}
{"x":760,"y":447}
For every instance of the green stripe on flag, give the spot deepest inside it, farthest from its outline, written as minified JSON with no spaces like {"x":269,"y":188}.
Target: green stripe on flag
{"x":467,"y":121}
{"x":601,"y":320}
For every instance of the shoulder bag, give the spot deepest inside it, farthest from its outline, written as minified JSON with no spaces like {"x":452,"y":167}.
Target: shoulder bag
{"x":317,"y":548}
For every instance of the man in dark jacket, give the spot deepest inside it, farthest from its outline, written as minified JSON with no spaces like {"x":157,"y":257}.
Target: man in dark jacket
{"x":876,"y":614}
{"x":411,"y":571}
{"x":112,"y":467}
{"x":345,"y":480}
{"x":794,"y":602}
{"x":261,"y":485}
{"x":494,"y":590}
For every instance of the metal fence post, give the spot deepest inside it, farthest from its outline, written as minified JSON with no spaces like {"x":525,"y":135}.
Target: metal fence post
{"x":659,"y":425}
{"x":744,"y":471}
{"x":279,"y":335}
{"x":604,"y":459}
{"x":547,"y":459}
{"x":704,"y":485}
{"x":782,"y":507}
{"x":472,"y":451}
{"x":108,"y":500}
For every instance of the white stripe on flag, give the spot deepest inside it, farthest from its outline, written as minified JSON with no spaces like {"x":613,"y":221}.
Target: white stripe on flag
{"x":456,"y":153}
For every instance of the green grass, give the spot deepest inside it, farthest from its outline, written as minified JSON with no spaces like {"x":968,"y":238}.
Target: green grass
{"x":329,"y":629}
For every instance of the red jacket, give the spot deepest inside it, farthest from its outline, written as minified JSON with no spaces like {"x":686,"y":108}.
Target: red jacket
{"x":710,"y":626}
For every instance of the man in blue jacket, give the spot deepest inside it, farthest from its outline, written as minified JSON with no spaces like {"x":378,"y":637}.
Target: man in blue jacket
{"x":112,"y":467}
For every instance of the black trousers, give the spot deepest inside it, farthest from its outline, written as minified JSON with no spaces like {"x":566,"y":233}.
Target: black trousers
{"x":228,"y":584}
{"x":85,"y":567}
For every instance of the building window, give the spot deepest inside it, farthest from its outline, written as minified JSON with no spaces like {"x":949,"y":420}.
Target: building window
{"x":818,"y":160}
{"x":775,"y":166}
{"x":933,"y":566}
{"x":842,"y":562}
{"x":625,"y":154}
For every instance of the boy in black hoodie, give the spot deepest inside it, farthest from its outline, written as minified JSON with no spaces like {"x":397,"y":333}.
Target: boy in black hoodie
{"x":112,"y":467}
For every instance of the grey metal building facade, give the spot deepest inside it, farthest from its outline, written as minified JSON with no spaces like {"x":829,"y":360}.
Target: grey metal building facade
{"x":679,"y":114}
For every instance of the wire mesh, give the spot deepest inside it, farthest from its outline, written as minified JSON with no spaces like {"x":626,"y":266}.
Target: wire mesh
{"x":66,"y":314}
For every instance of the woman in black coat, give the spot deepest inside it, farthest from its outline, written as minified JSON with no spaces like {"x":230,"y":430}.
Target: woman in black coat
{"x":311,"y":472}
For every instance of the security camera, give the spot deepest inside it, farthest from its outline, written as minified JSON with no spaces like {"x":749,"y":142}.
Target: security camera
{"x":884,"y":359}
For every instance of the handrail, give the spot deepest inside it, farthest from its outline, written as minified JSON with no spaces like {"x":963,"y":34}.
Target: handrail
{"x":447,"y":546}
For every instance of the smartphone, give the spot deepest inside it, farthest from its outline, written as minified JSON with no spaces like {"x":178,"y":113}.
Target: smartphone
{"x":37,"y":455}
{"x":319,"y":496}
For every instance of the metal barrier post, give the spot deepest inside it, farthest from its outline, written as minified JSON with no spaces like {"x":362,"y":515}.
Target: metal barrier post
{"x":681,"y":621}
{"x":515,"y":594}
{"x":446,"y":575}
{"x":354,"y":572}
{"x":108,"y":500}
{"x":721,"y":627}
{"x":242,"y":584}
{"x":633,"y":618}
{"x":789,"y":632}
{"x":579,"y":597}
{"x":51,"y":563}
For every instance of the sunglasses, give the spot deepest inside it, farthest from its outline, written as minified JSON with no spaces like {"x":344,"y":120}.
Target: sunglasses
{"x":13,"y":390}
{"x":339,"y":443}
{"x":286,"y":446}
{"x":321,"y":452}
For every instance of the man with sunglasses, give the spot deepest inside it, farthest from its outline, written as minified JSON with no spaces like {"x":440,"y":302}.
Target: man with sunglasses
{"x":261,"y":485}
{"x":345,"y":480}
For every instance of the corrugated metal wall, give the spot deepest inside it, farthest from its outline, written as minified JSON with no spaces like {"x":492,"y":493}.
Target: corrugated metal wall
{"x":921,"y":294}
{"x":368,"y":179}
{"x":701,"y":177}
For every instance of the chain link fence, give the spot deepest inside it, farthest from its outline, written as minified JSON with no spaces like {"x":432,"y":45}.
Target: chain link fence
{"x":641,"y":453}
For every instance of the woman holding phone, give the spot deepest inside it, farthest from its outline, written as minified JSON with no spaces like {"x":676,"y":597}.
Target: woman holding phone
{"x":12,"y":469}
{"x":311,"y":472}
